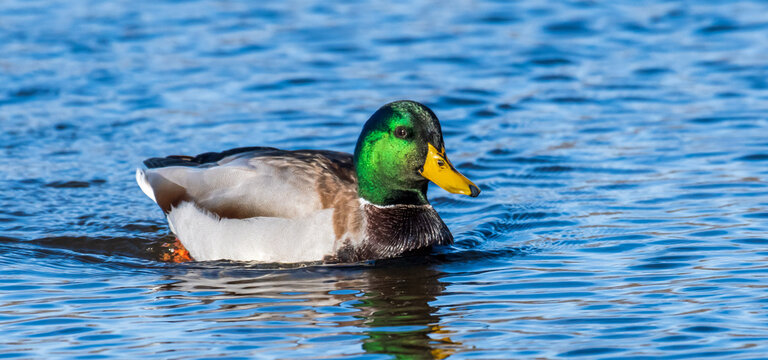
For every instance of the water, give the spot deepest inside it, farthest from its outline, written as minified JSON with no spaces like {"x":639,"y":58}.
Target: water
{"x":622,"y":149}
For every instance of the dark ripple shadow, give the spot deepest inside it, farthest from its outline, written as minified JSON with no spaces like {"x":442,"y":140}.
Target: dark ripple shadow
{"x":652,"y":71}
{"x":550,"y":62}
{"x":625,"y":247}
{"x":722,"y":119}
{"x":454,"y":60}
{"x":60,"y":256}
{"x":554,"y":78}
{"x":31,"y":93}
{"x":456,"y":101}
{"x":497,"y":18}
{"x":576,"y":27}
{"x":753,"y":157}
{"x":285,"y":84}
{"x":73,"y":184}
{"x":236,"y":51}
{"x":410,"y":40}
{"x":95,"y":249}
{"x":595,"y":351}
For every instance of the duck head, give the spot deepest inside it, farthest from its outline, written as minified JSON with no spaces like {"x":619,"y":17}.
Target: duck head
{"x":399,"y":151}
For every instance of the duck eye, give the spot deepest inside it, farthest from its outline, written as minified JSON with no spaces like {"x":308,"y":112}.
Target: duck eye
{"x":401,"y":132}
{"x":440,"y":163}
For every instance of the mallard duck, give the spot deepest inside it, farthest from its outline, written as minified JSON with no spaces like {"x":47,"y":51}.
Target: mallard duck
{"x":269,"y":205}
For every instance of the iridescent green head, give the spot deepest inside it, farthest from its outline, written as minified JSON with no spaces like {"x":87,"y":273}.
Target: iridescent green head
{"x":399,"y":150}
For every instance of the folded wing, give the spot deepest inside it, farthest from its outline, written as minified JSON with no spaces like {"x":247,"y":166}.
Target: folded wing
{"x":250,"y":182}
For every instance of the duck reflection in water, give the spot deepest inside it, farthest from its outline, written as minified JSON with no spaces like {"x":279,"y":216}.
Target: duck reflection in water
{"x":398,"y":312}
{"x":389,"y":304}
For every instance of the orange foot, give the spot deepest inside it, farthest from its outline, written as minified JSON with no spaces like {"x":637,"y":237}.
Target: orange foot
{"x":175,"y":252}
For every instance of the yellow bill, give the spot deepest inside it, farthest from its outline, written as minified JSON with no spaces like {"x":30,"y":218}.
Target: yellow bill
{"x":440,"y":171}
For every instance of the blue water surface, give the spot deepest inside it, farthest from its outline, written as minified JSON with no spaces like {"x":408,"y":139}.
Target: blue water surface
{"x":622,"y":149}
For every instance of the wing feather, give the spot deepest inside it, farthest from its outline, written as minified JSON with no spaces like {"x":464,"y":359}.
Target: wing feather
{"x":250,"y":182}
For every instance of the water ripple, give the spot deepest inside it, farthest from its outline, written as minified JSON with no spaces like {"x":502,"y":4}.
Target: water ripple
{"x":620,"y":148}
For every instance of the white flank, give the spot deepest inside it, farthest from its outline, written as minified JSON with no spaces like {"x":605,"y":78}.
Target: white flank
{"x":265,"y":239}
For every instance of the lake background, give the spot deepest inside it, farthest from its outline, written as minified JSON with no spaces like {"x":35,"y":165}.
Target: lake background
{"x":621,"y":146}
